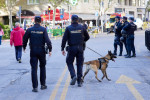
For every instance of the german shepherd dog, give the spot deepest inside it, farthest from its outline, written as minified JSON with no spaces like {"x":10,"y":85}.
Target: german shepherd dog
{"x":101,"y":63}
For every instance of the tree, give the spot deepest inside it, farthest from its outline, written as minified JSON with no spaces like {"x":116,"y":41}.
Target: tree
{"x":147,"y":9}
{"x":8,"y":5}
{"x":102,"y":10}
{"x":55,"y":4}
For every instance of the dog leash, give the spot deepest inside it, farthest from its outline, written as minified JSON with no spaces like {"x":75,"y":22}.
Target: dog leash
{"x":94,"y":51}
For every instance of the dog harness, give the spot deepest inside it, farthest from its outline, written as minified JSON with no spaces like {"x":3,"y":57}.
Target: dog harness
{"x":101,"y":60}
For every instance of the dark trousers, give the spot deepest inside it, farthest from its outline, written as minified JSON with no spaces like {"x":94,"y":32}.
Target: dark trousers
{"x":130,"y":45}
{"x":35,"y":55}
{"x":0,"y":40}
{"x":18,"y":50}
{"x":116,"y":43}
{"x":75,"y":52}
{"x":125,"y":44}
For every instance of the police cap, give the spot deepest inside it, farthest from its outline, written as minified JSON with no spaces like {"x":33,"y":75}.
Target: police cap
{"x":124,"y":17}
{"x":131,"y":18}
{"x":74,"y":17}
{"x":38,"y":19}
{"x":117,"y":17}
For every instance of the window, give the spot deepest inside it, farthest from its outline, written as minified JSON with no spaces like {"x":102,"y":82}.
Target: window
{"x":134,"y":2}
{"x":86,"y":1}
{"x":139,"y":2}
{"x":130,"y":2}
{"x":125,"y":2}
{"x":119,"y":2}
{"x":33,"y":1}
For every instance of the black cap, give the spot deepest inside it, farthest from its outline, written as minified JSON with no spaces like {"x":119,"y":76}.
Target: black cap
{"x":74,"y":17}
{"x":117,"y":17}
{"x":131,"y":18}
{"x":38,"y":19}
{"x":124,"y":17}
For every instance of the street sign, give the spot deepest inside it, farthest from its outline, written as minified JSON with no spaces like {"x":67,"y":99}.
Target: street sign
{"x":74,"y":2}
{"x":96,"y":13}
{"x":61,"y":16}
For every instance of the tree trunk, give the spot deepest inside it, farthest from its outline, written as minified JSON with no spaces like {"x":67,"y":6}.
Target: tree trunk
{"x":54,"y":14}
{"x":10,"y":17}
{"x":148,"y":15}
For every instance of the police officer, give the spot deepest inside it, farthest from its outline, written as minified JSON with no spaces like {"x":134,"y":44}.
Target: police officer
{"x":131,"y":27}
{"x":38,"y":37}
{"x":75,"y":35}
{"x":125,"y":23}
{"x":118,"y":28}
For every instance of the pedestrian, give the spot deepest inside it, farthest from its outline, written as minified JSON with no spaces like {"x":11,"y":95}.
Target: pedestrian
{"x":85,"y":25}
{"x":118,"y":28}
{"x":1,"y":34}
{"x":124,"y":23}
{"x":108,"y":27}
{"x":131,"y":27}
{"x":16,"y":39}
{"x":38,"y":37}
{"x":75,"y":35}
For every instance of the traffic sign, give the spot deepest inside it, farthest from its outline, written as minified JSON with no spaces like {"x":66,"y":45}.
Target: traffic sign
{"x":96,"y":13}
{"x":74,"y":2}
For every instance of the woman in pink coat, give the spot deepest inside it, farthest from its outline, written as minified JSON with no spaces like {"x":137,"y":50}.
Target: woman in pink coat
{"x":1,"y":34}
{"x":16,"y":39}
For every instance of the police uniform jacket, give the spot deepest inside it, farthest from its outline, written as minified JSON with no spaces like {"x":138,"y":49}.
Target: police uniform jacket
{"x":38,"y":37}
{"x":119,"y":28}
{"x":74,"y":35}
{"x":131,"y":27}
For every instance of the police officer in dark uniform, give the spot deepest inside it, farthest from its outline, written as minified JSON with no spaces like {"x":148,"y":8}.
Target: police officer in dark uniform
{"x":76,"y":36}
{"x":38,"y":37}
{"x":118,"y":28}
{"x":125,"y":23}
{"x":131,"y":27}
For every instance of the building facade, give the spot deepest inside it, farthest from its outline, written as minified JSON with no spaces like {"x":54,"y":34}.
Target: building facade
{"x":86,"y":9}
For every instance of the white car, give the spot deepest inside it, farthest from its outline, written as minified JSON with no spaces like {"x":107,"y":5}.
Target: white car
{"x":139,"y":23}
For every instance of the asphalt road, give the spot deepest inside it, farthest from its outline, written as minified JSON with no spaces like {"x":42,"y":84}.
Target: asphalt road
{"x":130,"y":77}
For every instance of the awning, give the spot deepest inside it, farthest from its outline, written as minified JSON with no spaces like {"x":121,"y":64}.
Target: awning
{"x":57,"y":16}
{"x":87,"y":16}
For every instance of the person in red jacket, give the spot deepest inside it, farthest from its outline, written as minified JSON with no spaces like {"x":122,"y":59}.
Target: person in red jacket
{"x":16,"y":39}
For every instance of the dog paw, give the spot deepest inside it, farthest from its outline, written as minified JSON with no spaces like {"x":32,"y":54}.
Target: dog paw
{"x":109,"y":79}
{"x":100,"y":81}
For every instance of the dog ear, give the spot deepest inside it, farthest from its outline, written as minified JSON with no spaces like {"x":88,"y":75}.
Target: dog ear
{"x":109,"y":52}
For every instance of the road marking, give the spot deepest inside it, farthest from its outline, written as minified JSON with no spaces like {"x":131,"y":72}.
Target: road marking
{"x":129,"y":82}
{"x":65,"y":89}
{"x":54,"y":92}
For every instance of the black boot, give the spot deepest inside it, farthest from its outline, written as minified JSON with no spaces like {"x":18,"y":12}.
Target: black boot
{"x":128,"y":56}
{"x":134,"y":55}
{"x":115,"y":53}
{"x":120,"y":54}
{"x":73,"y":81}
{"x":43,"y":87}
{"x":19,"y":60}
{"x":35,"y":90}
{"x":80,"y":83}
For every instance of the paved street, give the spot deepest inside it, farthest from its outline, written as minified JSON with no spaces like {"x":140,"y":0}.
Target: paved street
{"x":130,"y":77}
